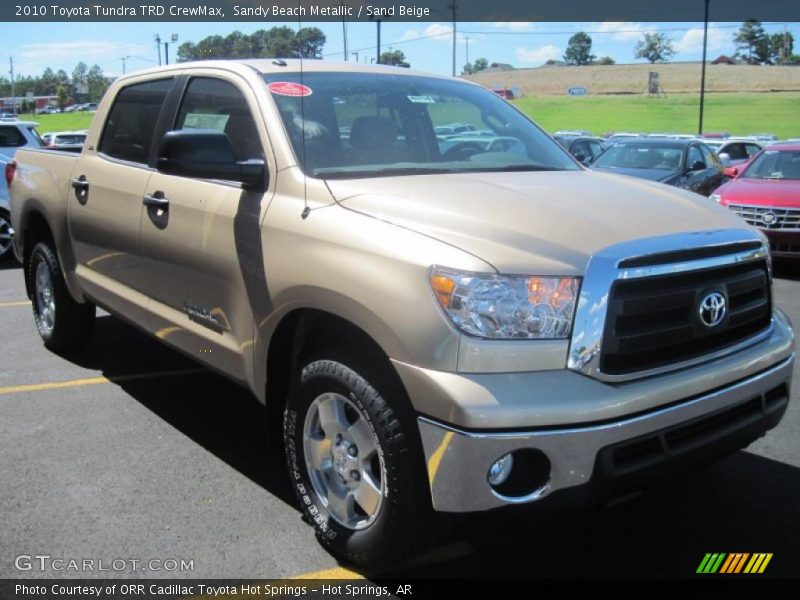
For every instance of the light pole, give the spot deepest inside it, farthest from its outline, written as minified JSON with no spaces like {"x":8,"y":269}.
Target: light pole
{"x":355,"y":54}
{"x":452,"y":6}
{"x":158,"y":47}
{"x":703,"y":73}
{"x":344,"y":29}
{"x":173,"y":39}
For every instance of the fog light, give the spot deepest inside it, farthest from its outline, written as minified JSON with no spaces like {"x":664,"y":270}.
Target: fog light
{"x":501,"y":469}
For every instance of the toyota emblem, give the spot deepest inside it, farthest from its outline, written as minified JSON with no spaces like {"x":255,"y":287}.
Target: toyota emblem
{"x":712,"y":309}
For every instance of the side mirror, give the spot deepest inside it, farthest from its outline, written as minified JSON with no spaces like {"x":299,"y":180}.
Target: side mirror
{"x":207,"y":154}
{"x":731,"y":172}
{"x":697,"y":165}
{"x":724,"y":157}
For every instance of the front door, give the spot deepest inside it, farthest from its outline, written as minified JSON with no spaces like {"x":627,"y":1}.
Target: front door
{"x":200,"y":238}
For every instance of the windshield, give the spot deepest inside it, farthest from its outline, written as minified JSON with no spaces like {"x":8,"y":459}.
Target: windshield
{"x":775,"y":164}
{"x":347,"y":125}
{"x":666,"y":157}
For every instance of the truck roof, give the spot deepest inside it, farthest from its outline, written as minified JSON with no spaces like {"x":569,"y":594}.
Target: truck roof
{"x":291,"y":65}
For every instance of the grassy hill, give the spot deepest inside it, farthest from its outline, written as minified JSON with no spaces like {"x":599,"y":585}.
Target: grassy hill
{"x":738,"y":114}
{"x":632,"y":79}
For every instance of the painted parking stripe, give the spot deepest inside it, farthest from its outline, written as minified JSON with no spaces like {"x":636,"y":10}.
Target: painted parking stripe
{"x":334,"y":573}
{"x":57,"y":385}
{"x":16,"y":303}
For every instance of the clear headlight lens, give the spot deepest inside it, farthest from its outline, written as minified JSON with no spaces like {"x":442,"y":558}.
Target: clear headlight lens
{"x":506,"y":307}
{"x":716,"y":198}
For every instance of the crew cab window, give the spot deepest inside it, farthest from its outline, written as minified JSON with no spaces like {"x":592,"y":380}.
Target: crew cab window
{"x":11,"y":137}
{"x":217,"y":104}
{"x":128,"y":133}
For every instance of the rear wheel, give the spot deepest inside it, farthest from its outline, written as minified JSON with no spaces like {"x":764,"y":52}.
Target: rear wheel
{"x":5,"y":235}
{"x":352,"y":460}
{"x":64,"y":325}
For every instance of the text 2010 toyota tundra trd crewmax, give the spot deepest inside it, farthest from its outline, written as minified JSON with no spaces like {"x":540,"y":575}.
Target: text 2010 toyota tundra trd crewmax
{"x":451,"y":321}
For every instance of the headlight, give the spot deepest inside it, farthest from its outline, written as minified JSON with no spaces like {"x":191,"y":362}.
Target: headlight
{"x":506,"y":307}
{"x":716,"y":198}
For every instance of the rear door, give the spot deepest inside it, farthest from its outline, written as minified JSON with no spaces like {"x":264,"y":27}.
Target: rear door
{"x":105,"y":202}
{"x":201,"y":248}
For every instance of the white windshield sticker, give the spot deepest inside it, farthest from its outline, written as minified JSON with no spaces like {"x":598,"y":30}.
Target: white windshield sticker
{"x":422,"y":99}
{"x":205,"y":121}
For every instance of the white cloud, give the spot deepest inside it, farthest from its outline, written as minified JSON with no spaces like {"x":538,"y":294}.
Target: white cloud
{"x":624,"y":31}
{"x":538,"y":55}
{"x":436,"y":32}
{"x":514,"y":25}
{"x":88,"y":51}
{"x":692,"y":41}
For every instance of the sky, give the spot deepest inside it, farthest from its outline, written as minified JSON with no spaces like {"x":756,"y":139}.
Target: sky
{"x":427,"y":46}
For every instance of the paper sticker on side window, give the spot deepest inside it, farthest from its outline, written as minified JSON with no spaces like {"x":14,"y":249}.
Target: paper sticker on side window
{"x":205,"y":121}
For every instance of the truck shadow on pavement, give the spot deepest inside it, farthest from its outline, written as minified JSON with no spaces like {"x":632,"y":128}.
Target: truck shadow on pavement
{"x":744,"y":503}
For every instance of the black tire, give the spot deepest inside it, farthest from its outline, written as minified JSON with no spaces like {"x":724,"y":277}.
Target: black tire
{"x":398,"y":524}
{"x":72,"y":323}
{"x":6,"y":249}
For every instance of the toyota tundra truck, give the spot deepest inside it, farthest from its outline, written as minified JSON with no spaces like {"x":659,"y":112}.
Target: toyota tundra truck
{"x":434,"y":322}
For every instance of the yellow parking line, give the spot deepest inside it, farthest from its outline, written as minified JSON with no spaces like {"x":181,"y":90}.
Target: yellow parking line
{"x":334,"y":573}
{"x":17,"y":303}
{"x":56,"y":385}
{"x":436,"y":458}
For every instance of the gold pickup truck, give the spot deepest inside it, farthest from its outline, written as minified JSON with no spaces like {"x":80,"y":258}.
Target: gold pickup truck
{"x":440,"y":308}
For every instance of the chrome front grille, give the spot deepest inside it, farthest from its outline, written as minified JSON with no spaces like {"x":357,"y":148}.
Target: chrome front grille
{"x":768,"y":217}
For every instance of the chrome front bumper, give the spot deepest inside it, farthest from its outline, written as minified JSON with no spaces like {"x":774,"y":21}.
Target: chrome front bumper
{"x":458,"y":461}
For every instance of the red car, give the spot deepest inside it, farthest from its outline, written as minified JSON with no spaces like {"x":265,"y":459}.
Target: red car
{"x":766,"y":193}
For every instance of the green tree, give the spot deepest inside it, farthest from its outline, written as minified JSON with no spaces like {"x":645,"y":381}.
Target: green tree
{"x":187,"y":51}
{"x":750,"y":38}
{"x":579,"y":50}
{"x":97,"y":83}
{"x":62,"y":93}
{"x":781,"y":46}
{"x":79,"y":73}
{"x":309,"y":42}
{"x":48,"y":83}
{"x":654,"y":47}
{"x":606,"y":60}
{"x":395,"y":58}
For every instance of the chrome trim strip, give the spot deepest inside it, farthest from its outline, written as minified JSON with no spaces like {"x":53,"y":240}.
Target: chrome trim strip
{"x":458,"y":461}
{"x":603,"y":270}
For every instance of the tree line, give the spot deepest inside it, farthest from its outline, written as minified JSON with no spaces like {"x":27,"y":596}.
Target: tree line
{"x":753,"y":46}
{"x":276,"y":42}
{"x":60,"y":84}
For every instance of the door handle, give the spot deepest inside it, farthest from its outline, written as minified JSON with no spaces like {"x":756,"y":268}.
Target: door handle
{"x":156,"y":200}
{"x":81,"y":187}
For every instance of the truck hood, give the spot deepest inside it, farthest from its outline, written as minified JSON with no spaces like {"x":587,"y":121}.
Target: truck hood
{"x":547,"y":222}
{"x":777,"y":193}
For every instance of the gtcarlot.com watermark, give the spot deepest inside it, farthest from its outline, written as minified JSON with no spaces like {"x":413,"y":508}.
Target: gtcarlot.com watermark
{"x":58,"y":564}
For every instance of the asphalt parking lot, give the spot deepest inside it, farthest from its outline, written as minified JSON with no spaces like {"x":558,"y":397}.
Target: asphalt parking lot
{"x":132,"y":451}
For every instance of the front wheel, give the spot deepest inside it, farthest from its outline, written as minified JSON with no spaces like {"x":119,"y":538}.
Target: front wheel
{"x":352,"y":463}
{"x":64,"y":325}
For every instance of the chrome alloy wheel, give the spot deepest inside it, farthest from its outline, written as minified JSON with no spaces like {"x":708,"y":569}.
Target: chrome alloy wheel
{"x":45,"y":297}
{"x":5,"y":235}
{"x":344,"y":461}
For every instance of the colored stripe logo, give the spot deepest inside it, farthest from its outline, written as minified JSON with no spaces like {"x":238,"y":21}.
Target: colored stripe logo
{"x":735,"y":562}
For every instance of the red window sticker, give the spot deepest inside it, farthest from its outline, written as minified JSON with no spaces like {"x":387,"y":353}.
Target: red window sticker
{"x":289,"y":88}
